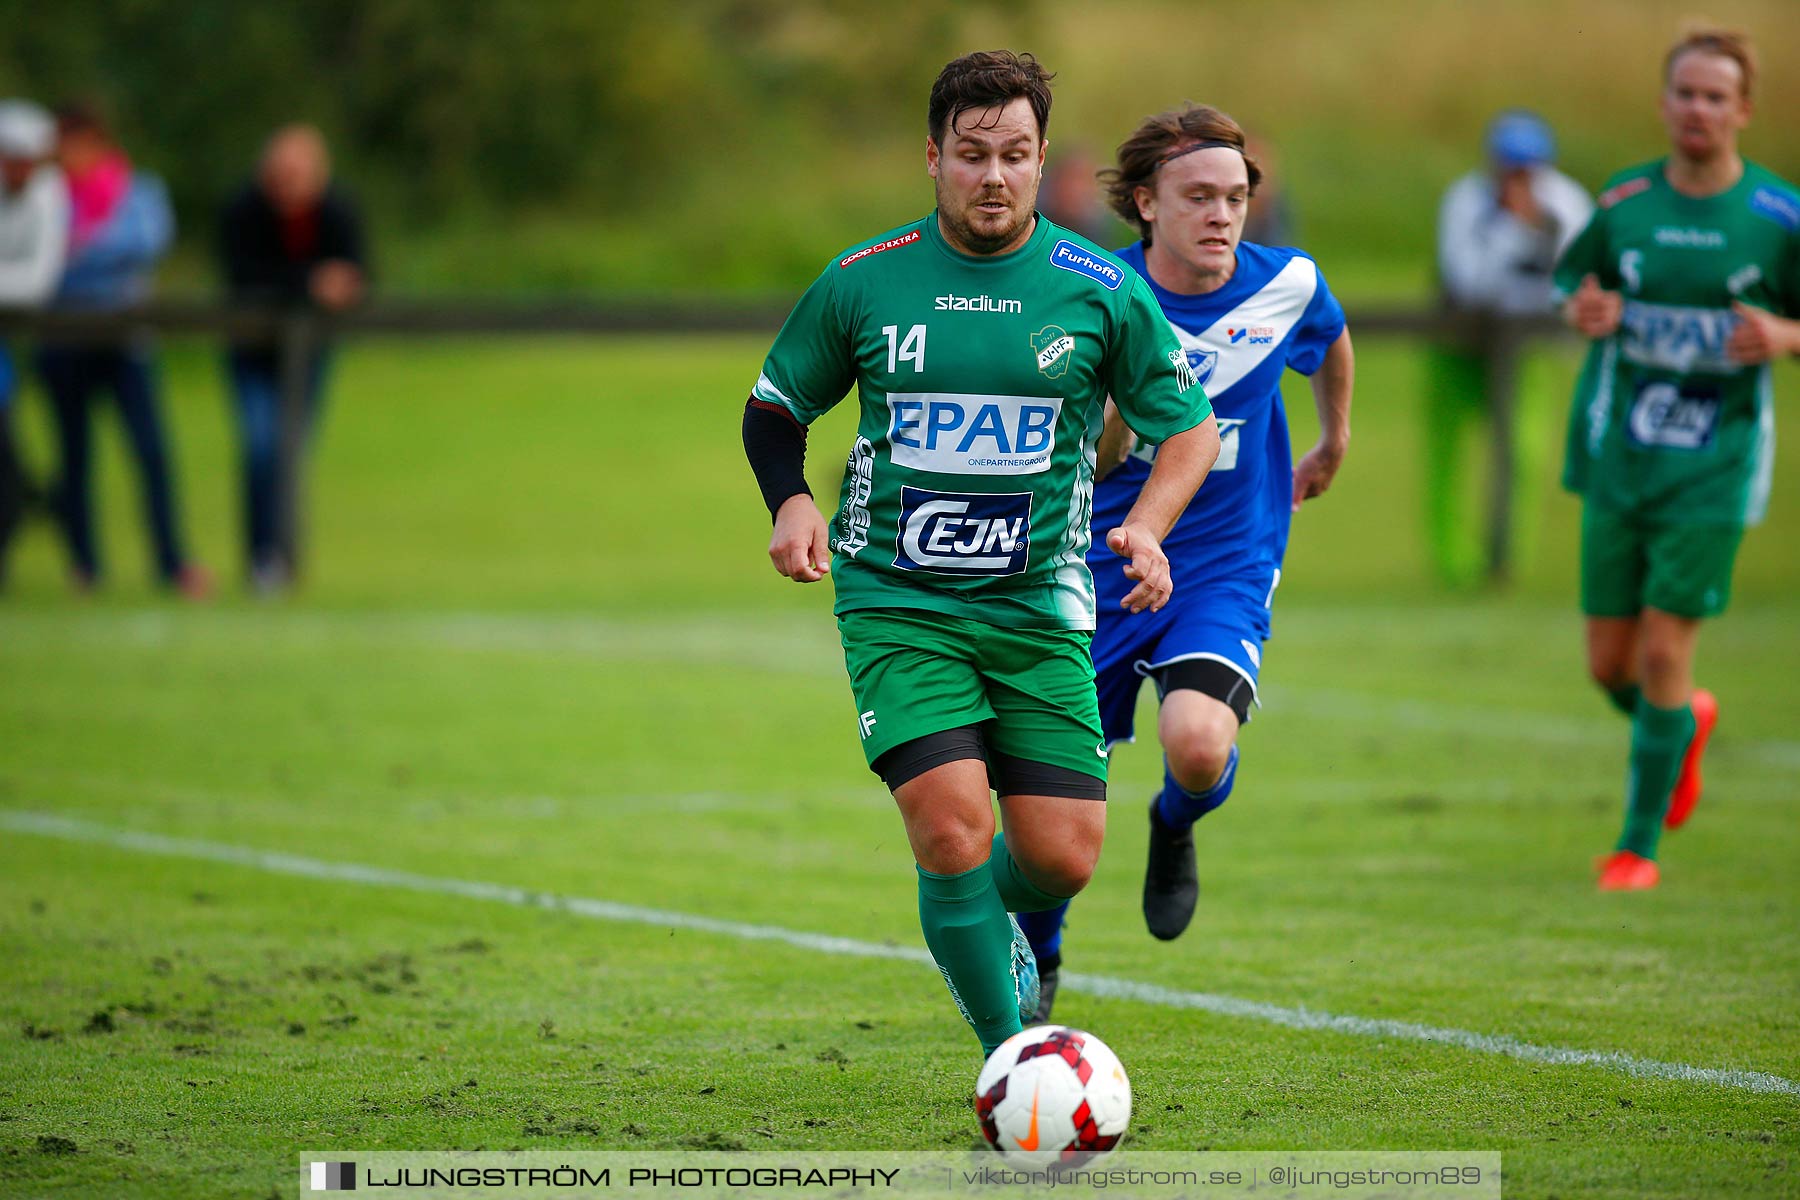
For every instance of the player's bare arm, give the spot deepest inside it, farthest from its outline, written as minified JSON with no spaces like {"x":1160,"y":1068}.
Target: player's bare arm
{"x":1761,"y":336}
{"x":799,"y":547}
{"x":1332,"y":385}
{"x":1181,"y":465}
{"x":1593,"y":311}
{"x":1115,"y":445}
{"x":775,"y":444}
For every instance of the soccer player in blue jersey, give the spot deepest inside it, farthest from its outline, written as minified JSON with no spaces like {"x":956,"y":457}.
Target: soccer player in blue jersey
{"x":1244,"y":313}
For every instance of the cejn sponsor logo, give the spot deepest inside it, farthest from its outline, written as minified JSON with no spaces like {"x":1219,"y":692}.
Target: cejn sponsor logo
{"x":1071,"y":257}
{"x":993,"y":304}
{"x":963,"y":533}
{"x":1252,"y":335}
{"x":955,"y":434}
{"x":878,"y":247}
{"x":1667,"y":417}
{"x":1676,"y":338}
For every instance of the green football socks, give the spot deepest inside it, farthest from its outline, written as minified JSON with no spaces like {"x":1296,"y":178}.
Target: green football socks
{"x":970,"y":937}
{"x":1017,"y":893}
{"x":1659,"y":739}
{"x":1625,"y":698}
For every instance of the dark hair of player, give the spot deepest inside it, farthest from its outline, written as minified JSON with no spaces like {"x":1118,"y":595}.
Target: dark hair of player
{"x":1725,"y":43}
{"x":1163,"y":137}
{"x":983,"y":80}
{"x":81,"y":116}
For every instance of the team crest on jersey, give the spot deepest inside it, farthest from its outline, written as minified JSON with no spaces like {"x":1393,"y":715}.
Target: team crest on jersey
{"x":1054,"y":348}
{"x":963,"y":533}
{"x":1202,"y":363}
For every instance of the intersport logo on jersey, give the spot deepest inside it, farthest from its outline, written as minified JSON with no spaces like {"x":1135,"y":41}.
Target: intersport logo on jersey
{"x":963,"y":533}
{"x":956,"y":434}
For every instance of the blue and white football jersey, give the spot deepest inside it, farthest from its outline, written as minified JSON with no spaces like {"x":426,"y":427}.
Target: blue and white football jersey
{"x":1275,"y":313}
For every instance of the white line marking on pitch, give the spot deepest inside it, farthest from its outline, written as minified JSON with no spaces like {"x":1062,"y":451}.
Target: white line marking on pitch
{"x":48,"y":825}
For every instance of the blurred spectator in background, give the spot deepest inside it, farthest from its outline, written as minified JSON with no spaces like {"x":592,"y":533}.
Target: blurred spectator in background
{"x":1499,"y":232}
{"x":120,"y":224}
{"x":1271,"y":221}
{"x":34,"y":223}
{"x":1070,"y":196}
{"x":290,"y":238}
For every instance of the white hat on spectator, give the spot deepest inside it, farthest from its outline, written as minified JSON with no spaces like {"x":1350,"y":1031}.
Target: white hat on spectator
{"x":26,"y":130}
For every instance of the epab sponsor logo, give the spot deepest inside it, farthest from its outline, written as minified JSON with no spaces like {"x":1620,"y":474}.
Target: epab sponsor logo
{"x":1677,"y":337}
{"x":958,"y":434}
{"x":1251,"y":335}
{"x":1070,"y":257}
{"x":993,"y":304}
{"x":963,"y":533}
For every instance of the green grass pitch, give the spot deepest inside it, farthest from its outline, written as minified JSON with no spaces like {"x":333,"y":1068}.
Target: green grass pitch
{"x":542,"y":648}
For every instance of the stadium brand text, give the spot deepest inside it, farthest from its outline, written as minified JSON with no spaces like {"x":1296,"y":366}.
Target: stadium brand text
{"x":956,"y":434}
{"x":1071,"y":257}
{"x":878,"y":247}
{"x":1687,"y":237}
{"x":963,"y":533}
{"x":1677,"y":338}
{"x":978,"y":304}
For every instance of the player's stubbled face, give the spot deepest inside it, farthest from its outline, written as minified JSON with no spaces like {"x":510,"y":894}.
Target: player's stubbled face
{"x":987,"y":173}
{"x":1703,"y":104}
{"x":1198,"y":208}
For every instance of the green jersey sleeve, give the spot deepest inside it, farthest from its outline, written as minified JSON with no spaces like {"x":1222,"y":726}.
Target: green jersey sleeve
{"x":1585,"y":256}
{"x":1150,"y":379}
{"x":811,"y":366}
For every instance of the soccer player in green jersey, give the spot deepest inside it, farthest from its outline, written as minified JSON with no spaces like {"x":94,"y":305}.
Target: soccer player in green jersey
{"x":1687,"y":278}
{"x":983,"y":342}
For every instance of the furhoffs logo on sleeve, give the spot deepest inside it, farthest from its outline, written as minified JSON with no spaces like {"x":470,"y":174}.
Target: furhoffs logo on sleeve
{"x":1070,"y":257}
{"x":333,"y":1177}
{"x":1053,"y":346}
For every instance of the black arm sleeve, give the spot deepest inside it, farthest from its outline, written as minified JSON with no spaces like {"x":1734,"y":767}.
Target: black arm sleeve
{"x":776,"y":446}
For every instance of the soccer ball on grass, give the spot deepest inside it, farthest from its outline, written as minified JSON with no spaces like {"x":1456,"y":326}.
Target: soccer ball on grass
{"x":1052,"y":1096}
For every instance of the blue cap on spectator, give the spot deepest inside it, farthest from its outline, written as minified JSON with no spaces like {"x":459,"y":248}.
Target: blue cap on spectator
{"x":1517,"y":138}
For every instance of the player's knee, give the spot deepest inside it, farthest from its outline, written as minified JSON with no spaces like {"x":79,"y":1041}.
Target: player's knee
{"x":1610,"y":670}
{"x":1198,"y":753}
{"x":1663,"y":661}
{"x":950,"y":843}
{"x":1064,"y":870}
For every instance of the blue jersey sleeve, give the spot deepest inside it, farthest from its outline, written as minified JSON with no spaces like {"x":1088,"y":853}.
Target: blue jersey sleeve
{"x":1318,"y":328}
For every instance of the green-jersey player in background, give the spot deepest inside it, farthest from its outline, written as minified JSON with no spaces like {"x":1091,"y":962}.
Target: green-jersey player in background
{"x":1686,"y":279}
{"x":983,"y":342}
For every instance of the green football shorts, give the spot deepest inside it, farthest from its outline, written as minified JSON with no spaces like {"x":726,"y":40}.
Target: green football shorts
{"x":1628,"y":565}
{"x":914,"y":672}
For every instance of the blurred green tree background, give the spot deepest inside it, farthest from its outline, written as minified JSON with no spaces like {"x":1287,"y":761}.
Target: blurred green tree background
{"x":699,"y":146}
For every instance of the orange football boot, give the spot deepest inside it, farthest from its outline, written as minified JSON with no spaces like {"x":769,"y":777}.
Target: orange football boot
{"x":1687,"y":786}
{"x":1628,"y":872}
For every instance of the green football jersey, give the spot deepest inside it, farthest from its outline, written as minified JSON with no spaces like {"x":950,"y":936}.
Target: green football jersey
{"x":1664,"y":424}
{"x":982,"y":383}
